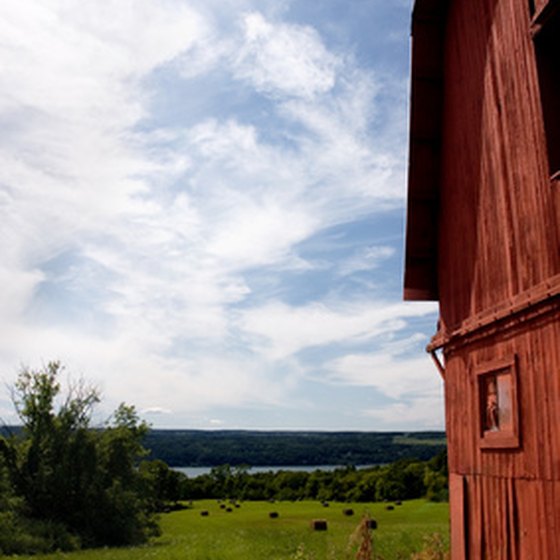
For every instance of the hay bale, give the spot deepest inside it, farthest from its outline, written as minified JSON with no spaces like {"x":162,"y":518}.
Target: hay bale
{"x":273,"y":515}
{"x":204,"y":513}
{"x":371,"y":524}
{"x":348,"y":511}
{"x":229,"y":510}
{"x":398,"y":503}
{"x":222,"y":506}
{"x":389,"y":508}
{"x":326,"y":504}
{"x":319,"y":524}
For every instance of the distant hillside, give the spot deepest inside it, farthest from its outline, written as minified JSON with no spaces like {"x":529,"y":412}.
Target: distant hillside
{"x":256,"y":448}
{"x":201,"y":448}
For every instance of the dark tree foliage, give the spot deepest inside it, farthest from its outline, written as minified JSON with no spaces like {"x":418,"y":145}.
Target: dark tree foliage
{"x":237,"y":447}
{"x":68,"y":484}
{"x":401,"y":480}
{"x":436,"y":479}
{"x":162,"y":484}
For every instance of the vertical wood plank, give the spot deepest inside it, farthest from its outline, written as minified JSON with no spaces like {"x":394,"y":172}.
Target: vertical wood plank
{"x":457,"y":504}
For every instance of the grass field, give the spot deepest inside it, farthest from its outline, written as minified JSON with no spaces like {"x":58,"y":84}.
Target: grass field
{"x":410,"y":440}
{"x":248,"y":533}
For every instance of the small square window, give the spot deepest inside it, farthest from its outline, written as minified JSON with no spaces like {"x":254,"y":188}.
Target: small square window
{"x":498,"y":409}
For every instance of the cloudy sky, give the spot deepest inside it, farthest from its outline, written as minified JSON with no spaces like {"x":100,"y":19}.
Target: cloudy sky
{"x":202,"y":207}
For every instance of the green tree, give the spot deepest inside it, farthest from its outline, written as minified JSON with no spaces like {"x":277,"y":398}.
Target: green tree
{"x":70,"y":476}
{"x":436,"y":478}
{"x":55,"y":454}
{"x":164,"y":485}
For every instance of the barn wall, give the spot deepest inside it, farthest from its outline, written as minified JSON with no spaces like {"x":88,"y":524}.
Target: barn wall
{"x":535,"y":346}
{"x":511,"y":519}
{"x":498,"y":283}
{"x":509,"y":502}
{"x":497,"y":225}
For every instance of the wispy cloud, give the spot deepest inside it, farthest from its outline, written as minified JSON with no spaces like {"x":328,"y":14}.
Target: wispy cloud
{"x":131,"y":231}
{"x":285,"y":60}
{"x":281,"y":330}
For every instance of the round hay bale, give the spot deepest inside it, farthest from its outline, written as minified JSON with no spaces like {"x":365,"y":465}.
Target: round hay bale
{"x":229,"y":510}
{"x":319,"y":524}
{"x":237,"y":506}
{"x":398,"y":503}
{"x":204,"y":513}
{"x":348,"y":511}
{"x":326,"y":504}
{"x":273,"y":515}
{"x":222,"y":506}
{"x":389,"y":508}
{"x":371,"y":524}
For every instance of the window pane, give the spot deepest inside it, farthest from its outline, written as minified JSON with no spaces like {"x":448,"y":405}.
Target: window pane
{"x":504,"y":401}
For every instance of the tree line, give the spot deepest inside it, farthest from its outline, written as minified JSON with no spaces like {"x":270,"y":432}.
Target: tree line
{"x":217,"y":447}
{"x":66,"y":485}
{"x":401,"y":480}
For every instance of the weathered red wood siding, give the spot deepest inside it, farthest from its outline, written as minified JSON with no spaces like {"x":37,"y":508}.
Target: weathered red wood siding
{"x":538,"y":356}
{"x":498,"y":277}
{"x":498,"y":231}
{"x":498,"y":246}
{"x":511,"y":497}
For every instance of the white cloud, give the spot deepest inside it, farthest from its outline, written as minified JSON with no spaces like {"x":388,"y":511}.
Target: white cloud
{"x":283,"y":59}
{"x":280,"y":330}
{"x":69,"y":164}
{"x":423,"y":413}
{"x":412,"y":385}
{"x":155,"y":411}
{"x":368,"y":258}
{"x":394,"y":377}
{"x":407,"y":379}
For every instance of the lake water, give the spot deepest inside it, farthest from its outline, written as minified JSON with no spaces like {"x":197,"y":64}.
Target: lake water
{"x":193,"y":472}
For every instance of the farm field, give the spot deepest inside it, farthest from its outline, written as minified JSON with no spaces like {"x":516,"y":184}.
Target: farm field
{"x":248,"y":532}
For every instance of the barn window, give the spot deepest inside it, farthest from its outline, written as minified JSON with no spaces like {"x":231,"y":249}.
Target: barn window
{"x":546,"y":35}
{"x":498,"y":408}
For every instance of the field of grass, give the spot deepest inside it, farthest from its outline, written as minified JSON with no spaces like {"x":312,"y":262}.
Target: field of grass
{"x":411,"y":440}
{"x":248,"y":532}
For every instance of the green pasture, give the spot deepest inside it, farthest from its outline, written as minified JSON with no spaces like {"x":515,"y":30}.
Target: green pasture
{"x":248,"y":533}
{"x":412,"y":440}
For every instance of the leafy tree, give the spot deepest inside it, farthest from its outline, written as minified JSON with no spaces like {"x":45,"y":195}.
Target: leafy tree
{"x":365,"y":489}
{"x":55,"y":454}
{"x":71,"y":478}
{"x":401,"y":480}
{"x":164,"y":485}
{"x":436,"y":478}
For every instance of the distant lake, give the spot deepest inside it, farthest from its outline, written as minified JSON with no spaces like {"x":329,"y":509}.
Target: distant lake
{"x":193,"y":472}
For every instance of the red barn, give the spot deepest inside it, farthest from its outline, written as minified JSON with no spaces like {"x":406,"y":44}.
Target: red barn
{"x":483,"y":239}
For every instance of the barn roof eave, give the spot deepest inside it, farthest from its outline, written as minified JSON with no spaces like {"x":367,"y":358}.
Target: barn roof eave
{"x":426,"y":102}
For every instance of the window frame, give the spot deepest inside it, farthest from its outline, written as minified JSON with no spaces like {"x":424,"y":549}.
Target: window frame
{"x":506,"y":438}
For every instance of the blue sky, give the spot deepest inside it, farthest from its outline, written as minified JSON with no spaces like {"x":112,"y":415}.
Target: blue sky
{"x":202,"y":207}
